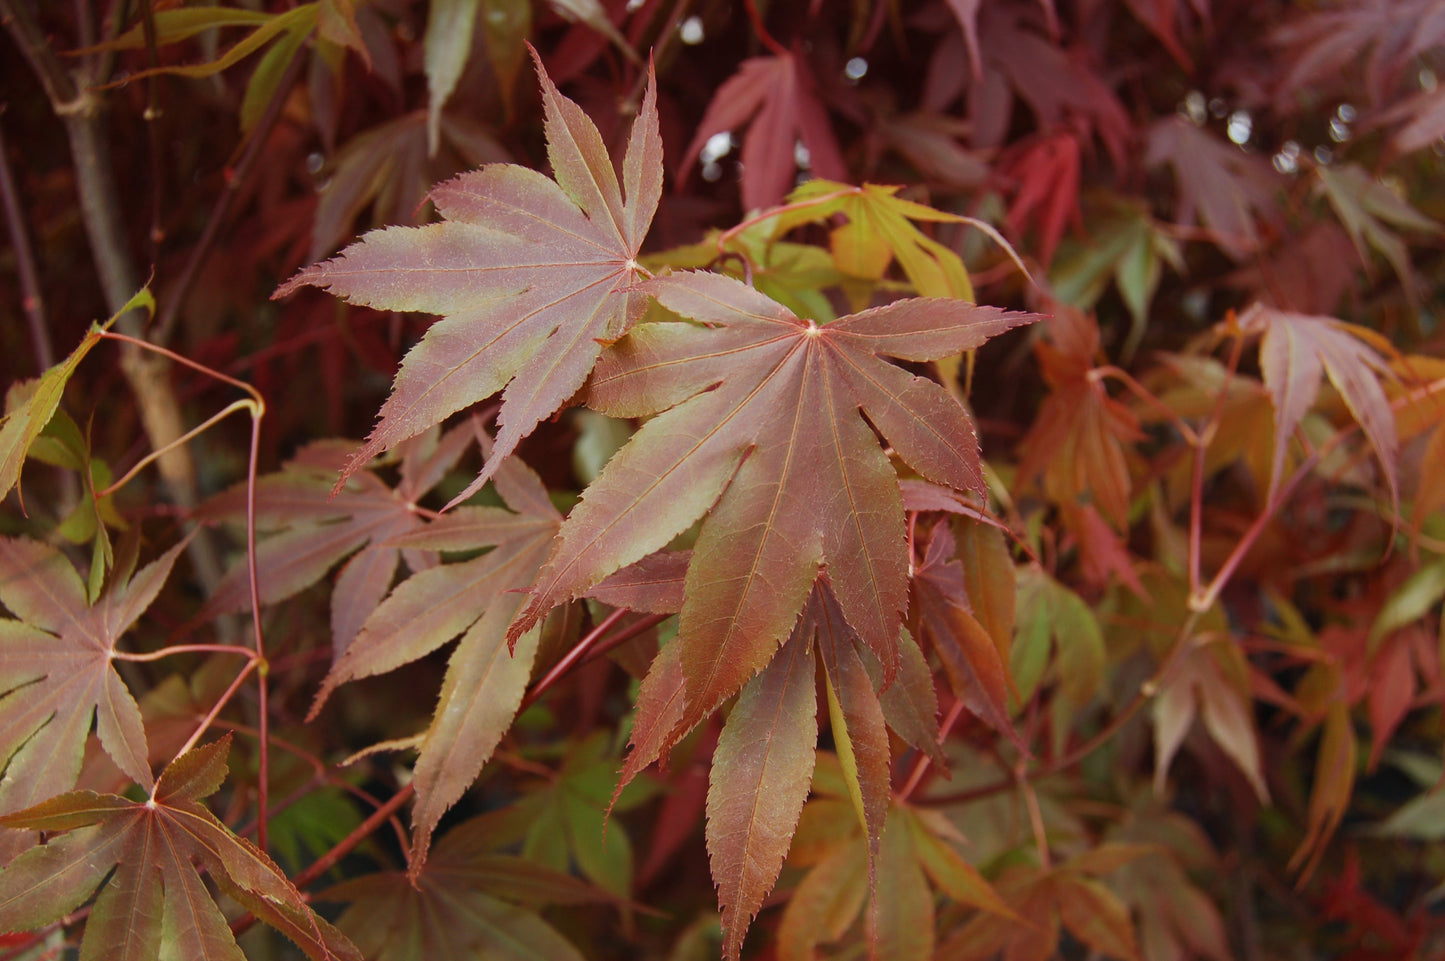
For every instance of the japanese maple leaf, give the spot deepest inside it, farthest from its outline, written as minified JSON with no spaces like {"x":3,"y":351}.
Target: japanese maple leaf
{"x":56,"y":670}
{"x":1051,"y":899}
{"x":780,"y":98}
{"x":760,"y":422}
{"x":1077,"y":440}
{"x":1295,"y":355}
{"x":468,"y":902}
{"x":917,"y":855}
{"x":155,"y":903}
{"x":477,"y":599}
{"x":971,"y":657}
{"x":1048,"y":176}
{"x":1229,"y":190}
{"x":1212,"y":683}
{"x":531,"y":277}
{"x":313,"y":529}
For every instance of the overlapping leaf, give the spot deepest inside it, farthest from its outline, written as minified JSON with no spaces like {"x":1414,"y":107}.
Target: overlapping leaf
{"x":155,"y":903}
{"x":760,"y":422}
{"x":779,"y":96}
{"x":531,"y":275}
{"x":1231,"y":191}
{"x":974,"y":660}
{"x":57,"y":672}
{"x":879,"y":230}
{"x":1049,"y":900}
{"x":1077,"y":440}
{"x":1210,"y":681}
{"x":1295,"y":355}
{"x":476,"y":598}
{"x":917,"y":856}
{"x":312,"y":530}
{"x":467,"y":902}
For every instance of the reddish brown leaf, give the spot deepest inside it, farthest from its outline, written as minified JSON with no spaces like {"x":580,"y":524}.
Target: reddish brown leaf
{"x":760,"y":776}
{"x":1048,"y":176}
{"x":779,"y":96}
{"x":971,"y":658}
{"x":477,"y":598}
{"x":1296,"y":353}
{"x":312,"y":528}
{"x":155,"y":892}
{"x":58,"y":675}
{"x":812,"y":488}
{"x":519,"y":261}
{"x":1077,"y":441}
{"x":1230,"y":190}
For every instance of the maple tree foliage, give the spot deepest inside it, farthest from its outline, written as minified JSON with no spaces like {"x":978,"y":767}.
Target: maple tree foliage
{"x":944,"y":480}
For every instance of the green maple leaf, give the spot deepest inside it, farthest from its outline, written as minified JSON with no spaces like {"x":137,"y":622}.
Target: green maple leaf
{"x":154,"y":904}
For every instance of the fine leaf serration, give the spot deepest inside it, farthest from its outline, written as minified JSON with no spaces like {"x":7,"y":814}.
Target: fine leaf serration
{"x":531,"y":276}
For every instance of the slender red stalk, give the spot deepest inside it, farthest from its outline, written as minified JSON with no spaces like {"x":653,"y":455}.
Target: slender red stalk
{"x":570,"y":659}
{"x":761,"y":29}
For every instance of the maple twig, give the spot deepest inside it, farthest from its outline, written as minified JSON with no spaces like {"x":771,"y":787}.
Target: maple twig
{"x":32,"y":302}
{"x":322,"y":774}
{"x":570,"y":659}
{"x":1147,"y":396}
{"x":216,"y":708}
{"x":1201,"y":443}
{"x":761,"y":29}
{"x":733,"y":231}
{"x":342,"y":848}
{"x":183,"y":649}
{"x":257,"y":406}
{"x":623,"y":636}
{"x":920,"y":767}
{"x":152,"y":116}
{"x":363,"y":830}
{"x":155,"y":455}
{"x":232,"y":180}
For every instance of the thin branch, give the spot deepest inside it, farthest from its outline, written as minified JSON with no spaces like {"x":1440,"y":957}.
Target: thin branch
{"x":152,"y":117}
{"x":920,"y":768}
{"x":761,"y":29}
{"x":570,"y":659}
{"x":183,"y":649}
{"x":232,"y":182}
{"x":32,"y":302}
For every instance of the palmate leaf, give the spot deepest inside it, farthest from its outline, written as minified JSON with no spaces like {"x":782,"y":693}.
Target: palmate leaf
{"x":477,"y":599}
{"x":55,"y":665}
{"x":467,"y":902}
{"x":313,"y":529}
{"x":531,"y":277}
{"x":761,"y":423}
{"x":154,"y":904}
{"x":778,"y":97}
{"x":1296,"y":353}
{"x":1048,"y":899}
{"x":917,"y":857}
